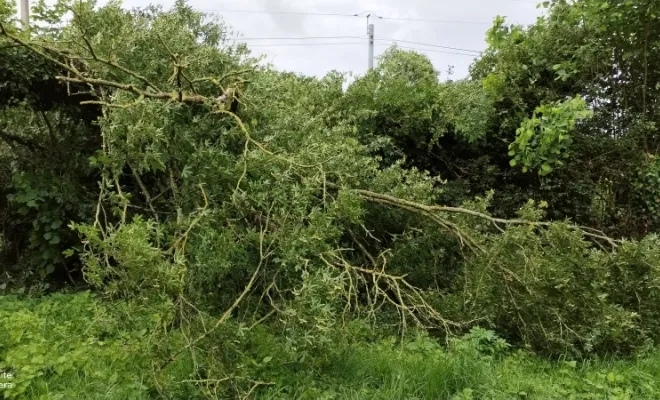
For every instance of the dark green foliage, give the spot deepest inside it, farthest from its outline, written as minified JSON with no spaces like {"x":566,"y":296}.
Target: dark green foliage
{"x":604,"y":52}
{"x":45,"y":181}
{"x":646,"y":195}
{"x":399,"y":109}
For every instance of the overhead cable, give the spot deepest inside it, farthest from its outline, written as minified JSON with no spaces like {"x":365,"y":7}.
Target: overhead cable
{"x":430,"y":45}
{"x":344,"y":15}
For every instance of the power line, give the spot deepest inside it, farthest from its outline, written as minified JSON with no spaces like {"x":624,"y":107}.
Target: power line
{"x":304,"y":44}
{"x":356,"y":37}
{"x":280,"y":12}
{"x":358,"y":43}
{"x":442,"y":21}
{"x":346,"y":15}
{"x":433,"y":51}
{"x":300,"y":38}
{"x":431,"y":45}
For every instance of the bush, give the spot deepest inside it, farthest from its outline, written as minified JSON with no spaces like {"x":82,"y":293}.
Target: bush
{"x":548,"y":289}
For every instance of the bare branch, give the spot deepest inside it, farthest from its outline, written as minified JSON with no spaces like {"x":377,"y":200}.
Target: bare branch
{"x":395,"y":290}
{"x":76,"y":76}
{"x":225,"y":316}
{"x":11,"y":139}
{"x":431,"y":211}
{"x":145,"y":191}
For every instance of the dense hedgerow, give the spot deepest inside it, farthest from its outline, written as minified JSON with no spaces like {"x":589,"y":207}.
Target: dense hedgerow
{"x":200,"y":225}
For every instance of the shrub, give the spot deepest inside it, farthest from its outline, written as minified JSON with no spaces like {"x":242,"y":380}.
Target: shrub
{"x":550,"y":290}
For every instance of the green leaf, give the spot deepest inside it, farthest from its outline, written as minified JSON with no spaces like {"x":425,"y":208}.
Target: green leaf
{"x":38,"y":359}
{"x":513,"y":163}
{"x":611,"y":377}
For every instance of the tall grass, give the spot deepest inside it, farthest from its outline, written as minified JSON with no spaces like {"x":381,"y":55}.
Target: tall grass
{"x":424,"y":370}
{"x":76,"y":347}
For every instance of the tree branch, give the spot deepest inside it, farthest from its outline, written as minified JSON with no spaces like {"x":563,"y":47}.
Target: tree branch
{"x":145,"y":191}
{"x":11,"y":139}
{"x":79,"y":77}
{"x":431,"y":212}
{"x":264,"y":254}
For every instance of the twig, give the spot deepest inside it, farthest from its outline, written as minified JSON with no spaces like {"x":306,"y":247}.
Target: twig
{"x":225,"y":316}
{"x":76,"y":76}
{"x":182,"y":240}
{"x":408,"y":299}
{"x":11,"y":139}
{"x":113,"y":64}
{"x":49,"y":126}
{"x":145,"y":191}
{"x":254,"y":387}
{"x":431,"y":210}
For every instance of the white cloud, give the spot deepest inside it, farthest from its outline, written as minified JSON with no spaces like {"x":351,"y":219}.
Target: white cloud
{"x":320,"y":59}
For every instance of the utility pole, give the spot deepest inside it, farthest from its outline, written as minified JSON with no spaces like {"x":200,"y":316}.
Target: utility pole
{"x":25,"y":13}
{"x":370,"y":32}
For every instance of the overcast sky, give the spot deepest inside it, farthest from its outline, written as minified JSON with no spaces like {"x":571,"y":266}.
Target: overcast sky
{"x":472,"y":19}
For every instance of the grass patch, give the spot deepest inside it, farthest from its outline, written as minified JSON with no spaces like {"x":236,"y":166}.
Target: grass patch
{"x":75,"y":346}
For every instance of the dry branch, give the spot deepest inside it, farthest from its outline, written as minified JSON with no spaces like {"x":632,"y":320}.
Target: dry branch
{"x":65,"y":60}
{"x":432,"y":212}
{"x":385,"y":288}
{"x":10,"y":139}
{"x":264,"y":254}
{"x":145,"y":191}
